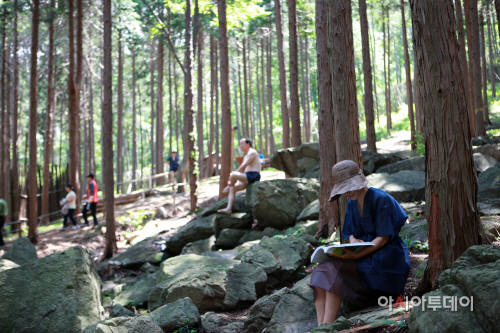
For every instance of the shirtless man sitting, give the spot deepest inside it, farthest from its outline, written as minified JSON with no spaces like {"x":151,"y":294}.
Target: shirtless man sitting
{"x":247,"y":173}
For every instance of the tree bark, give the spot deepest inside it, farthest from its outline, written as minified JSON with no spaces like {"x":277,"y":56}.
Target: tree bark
{"x":270,"y":96}
{"x":242,"y":112}
{"x":225,"y":99}
{"x":134,"y":116}
{"x":4,"y":118}
{"x":171,"y":105}
{"x":307,"y":111}
{"x":216,"y":92}
{"x":463,"y":61}
{"x":303,"y":91}
{"x":344,"y":100}
{"x":409,"y":92}
{"x":199,"y":121}
{"x":15,"y":159}
{"x":294,"y":73}
{"x":245,"y":84}
{"x":259,"y":112}
{"x":160,"y":144}
{"x":283,"y":82}
{"x":490,"y":50}
{"x":188,"y":109}
{"x":371,"y":139}
{"x":152,"y":95}
{"x":263,"y":79}
{"x":119,"y":139}
{"x":49,"y":135}
{"x":251,"y":134}
{"x":451,"y":185}
{"x":106,"y":132}
{"x":388,"y":105}
{"x":328,"y":211}
{"x":484,"y":75}
{"x":212,"y":92}
{"x":32,"y":190}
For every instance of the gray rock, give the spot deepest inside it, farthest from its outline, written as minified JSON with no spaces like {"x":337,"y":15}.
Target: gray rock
{"x":372,"y":161}
{"x":6,"y":264}
{"x":311,"y":212}
{"x":21,"y":252}
{"x":475,"y":274}
{"x":341,"y":323}
{"x":229,"y":238}
{"x":200,"y":246}
{"x":239,"y":206}
{"x":277,"y":203}
{"x":161,"y":213}
{"x":210,"y":321}
{"x":415,"y":231}
{"x":481,"y":140}
{"x":413,"y":164}
{"x":254,"y":235}
{"x":491,"y":225}
{"x":173,"y":315}
{"x":60,"y":292}
{"x":136,"y":294}
{"x":178,"y":264}
{"x":136,"y":256}
{"x":492,"y":150}
{"x":194,"y":230}
{"x":283,"y":259}
{"x":231,"y":254}
{"x":295,"y":311}
{"x":119,"y":311}
{"x":148,"y":268}
{"x":262,"y":311}
{"x":489,"y":183}
{"x":234,"y":327}
{"x":246,"y":283}
{"x":483,"y":162}
{"x":404,"y":186}
{"x":302,"y":161}
{"x":404,"y":155}
{"x":375,"y":314}
{"x":233,"y":221}
{"x":304,"y":228}
{"x":124,"y":325}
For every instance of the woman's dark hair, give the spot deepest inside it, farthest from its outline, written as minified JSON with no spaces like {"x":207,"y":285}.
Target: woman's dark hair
{"x":71,"y":187}
{"x":247,"y":140}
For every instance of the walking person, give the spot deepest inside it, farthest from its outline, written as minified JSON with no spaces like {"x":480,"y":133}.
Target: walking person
{"x":3,"y":215}
{"x":92,"y":200}
{"x":71,"y":201}
{"x":173,"y":161}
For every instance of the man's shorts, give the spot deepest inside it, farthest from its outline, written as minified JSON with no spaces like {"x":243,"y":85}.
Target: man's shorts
{"x":252,"y":176}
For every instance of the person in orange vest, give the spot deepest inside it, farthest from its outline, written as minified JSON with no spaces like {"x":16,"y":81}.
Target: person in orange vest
{"x":91,"y":201}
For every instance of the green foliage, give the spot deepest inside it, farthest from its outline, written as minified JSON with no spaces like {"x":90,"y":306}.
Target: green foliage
{"x":420,"y":143}
{"x":186,"y":327}
{"x":136,"y":219}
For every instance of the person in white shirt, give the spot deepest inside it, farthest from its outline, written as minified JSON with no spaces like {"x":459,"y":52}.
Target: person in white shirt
{"x":71,"y":200}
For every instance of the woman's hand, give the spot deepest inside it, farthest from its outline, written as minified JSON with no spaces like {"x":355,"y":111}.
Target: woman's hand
{"x":347,"y":255}
{"x":355,"y":240}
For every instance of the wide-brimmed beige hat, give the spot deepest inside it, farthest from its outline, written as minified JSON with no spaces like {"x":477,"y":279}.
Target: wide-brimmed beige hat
{"x":347,"y":176}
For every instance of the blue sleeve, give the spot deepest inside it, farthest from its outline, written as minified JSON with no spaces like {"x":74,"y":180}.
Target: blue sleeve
{"x":91,"y":186}
{"x":385,"y":218}
{"x":347,"y":230}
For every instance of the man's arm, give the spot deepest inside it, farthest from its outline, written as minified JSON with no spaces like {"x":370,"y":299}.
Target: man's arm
{"x":248,"y":161}
{"x":91,"y":197}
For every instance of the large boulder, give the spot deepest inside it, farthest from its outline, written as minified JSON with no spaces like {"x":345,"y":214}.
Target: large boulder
{"x":262,"y":311}
{"x":483,"y":162}
{"x":124,"y":325}
{"x":415,"y":231}
{"x":301,"y":162}
{"x":229,"y":238}
{"x":239,"y":206}
{"x":246,"y":283}
{"x":136,"y":294}
{"x":139,"y":254}
{"x":178,"y":264}
{"x":488,"y":194}
{"x":474,"y":274}
{"x":21,"y":252}
{"x":311,"y":212}
{"x":491,"y":225}
{"x":119,"y":311}
{"x":194,"y":230}
{"x":6,"y":264}
{"x":283,"y":259}
{"x":58,"y":293}
{"x":231,"y":254}
{"x":233,"y":221}
{"x":304,"y":228}
{"x":200,"y":246}
{"x":372,"y":161}
{"x":277,"y":203}
{"x":404,"y":186}
{"x":492,"y":150}
{"x":254,"y":235}
{"x":416,"y":163}
{"x":182,"y":312}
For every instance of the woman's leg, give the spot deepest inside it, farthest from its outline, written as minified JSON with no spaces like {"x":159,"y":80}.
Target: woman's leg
{"x":71,"y":217}
{"x":65,"y":221}
{"x":319,"y":302}
{"x":332,"y":307}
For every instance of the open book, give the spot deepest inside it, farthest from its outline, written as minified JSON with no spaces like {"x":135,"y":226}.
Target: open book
{"x":321,"y":253}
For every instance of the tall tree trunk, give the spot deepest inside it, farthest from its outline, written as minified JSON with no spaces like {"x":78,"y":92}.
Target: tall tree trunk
{"x":225,"y":99}
{"x":171,"y":105}
{"x":371,"y":138}
{"x":91,"y":103}
{"x":283,"y":82}
{"x":199,"y":121}
{"x":344,"y":100}
{"x":303,"y":92}
{"x":235,"y":92}
{"x":270,"y":95}
{"x":74,"y":114}
{"x":387,"y":103}
{"x":152,"y":95}
{"x":32,"y":192}
{"x":217,"y":126}
{"x":251,"y":134}
{"x":409,"y":92}
{"x":463,"y":61}
{"x":328,"y":212}
{"x":106,"y":133}
{"x":497,"y":10}
{"x":308,"y":92}
{"x":160,"y":143}
{"x":15,"y":159}
{"x":245,"y":83}
{"x":177,"y":109}
{"x":119,"y":139}
{"x":259,"y":112}
{"x":263,"y":79}
{"x":294,"y":73}
{"x":484,"y":75}
{"x":49,"y":135}
{"x":5,"y":121}
{"x":78,"y":80}
{"x":134,"y":116}
{"x":188,"y":109}
{"x":242,"y":112}
{"x":212,"y":92}
{"x":490,"y":51}
{"x":451,"y":208}
{"x":471,"y":16}
{"x":374,"y":69}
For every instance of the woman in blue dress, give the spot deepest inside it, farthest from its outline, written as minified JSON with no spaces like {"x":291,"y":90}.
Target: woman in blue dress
{"x":381,"y":270}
